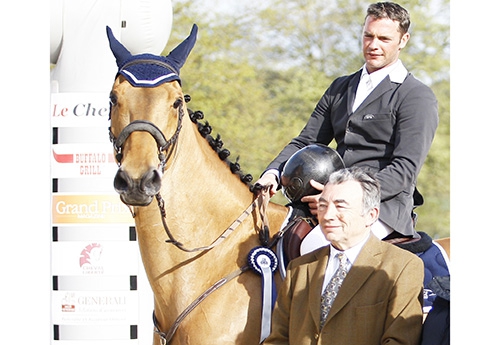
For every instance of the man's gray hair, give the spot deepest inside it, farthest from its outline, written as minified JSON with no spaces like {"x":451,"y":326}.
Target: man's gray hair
{"x":369,"y":185}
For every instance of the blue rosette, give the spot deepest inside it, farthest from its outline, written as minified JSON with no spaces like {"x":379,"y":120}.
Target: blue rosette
{"x":264,"y":262}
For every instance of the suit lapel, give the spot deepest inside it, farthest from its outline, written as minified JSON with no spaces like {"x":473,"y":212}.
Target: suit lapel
{"x":384,"y":86}
{"x":316,"y":275}
{"x":351,"y":91}
{"x":365,"y":264}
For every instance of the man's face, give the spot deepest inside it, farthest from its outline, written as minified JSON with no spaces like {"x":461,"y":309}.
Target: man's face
{"x":340,"y":214}
{"x":382,"y":43}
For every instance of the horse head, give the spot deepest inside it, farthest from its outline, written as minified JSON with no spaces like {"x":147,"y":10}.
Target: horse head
{"x":147,"y":109}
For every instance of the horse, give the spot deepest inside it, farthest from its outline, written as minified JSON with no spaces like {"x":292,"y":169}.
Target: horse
{"x":195,"y":241}
{"x":197,"y":238}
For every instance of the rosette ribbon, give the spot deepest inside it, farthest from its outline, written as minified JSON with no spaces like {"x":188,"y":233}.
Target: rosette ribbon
{"x":264,"y":262}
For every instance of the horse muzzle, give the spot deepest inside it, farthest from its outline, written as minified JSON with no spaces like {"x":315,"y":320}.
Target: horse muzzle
{"x":137,"y":192}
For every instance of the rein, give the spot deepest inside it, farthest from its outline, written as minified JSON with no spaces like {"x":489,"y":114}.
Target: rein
{"x":261,"y":203}
{"x":167,"y":337}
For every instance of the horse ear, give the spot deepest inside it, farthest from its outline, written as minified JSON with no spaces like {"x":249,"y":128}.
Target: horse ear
{"x":178,"y":56}
{"x":119,"y":51}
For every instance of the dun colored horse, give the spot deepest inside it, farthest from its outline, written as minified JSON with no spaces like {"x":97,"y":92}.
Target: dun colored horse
{"x":161,"y":152}
{"x":196,"y":218}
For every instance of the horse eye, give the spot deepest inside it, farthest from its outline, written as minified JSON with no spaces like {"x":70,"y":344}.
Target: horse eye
{"x":177,"y":103}
{"x":112,"y":99}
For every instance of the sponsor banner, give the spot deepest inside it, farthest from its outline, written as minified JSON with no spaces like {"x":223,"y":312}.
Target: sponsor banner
{"x":83,"y":160}
{"x":89,"y":209}
{"x":79,"y":109}
{"x":99,"y":258}
{"x":95,"y":308}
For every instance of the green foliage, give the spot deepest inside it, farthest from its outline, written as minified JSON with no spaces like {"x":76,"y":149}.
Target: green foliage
{"x":258,"y":71}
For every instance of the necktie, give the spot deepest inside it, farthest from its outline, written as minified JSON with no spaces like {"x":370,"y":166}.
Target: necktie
{"x":332,"y":288}
{"x":365,"y":86}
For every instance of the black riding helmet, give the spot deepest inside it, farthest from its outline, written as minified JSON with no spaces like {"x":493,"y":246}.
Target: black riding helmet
{"x":313,"y":162}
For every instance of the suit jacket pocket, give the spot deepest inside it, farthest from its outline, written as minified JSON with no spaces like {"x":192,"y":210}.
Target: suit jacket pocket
{"x":373,"y":126}
{"x":371,"y":319}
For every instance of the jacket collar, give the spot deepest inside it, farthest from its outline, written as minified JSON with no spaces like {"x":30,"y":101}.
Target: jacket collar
{"x":396,"y":72}
{"x":395,"y":76}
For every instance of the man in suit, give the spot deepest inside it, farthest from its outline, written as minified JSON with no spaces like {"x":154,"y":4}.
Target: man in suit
{"x":380,"y":117}
{"x":380,"y":297}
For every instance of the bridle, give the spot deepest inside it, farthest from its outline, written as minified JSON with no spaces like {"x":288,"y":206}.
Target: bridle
{"x":162,"y":143}
{"x":169,"y":146}
{"x":147,"y":126}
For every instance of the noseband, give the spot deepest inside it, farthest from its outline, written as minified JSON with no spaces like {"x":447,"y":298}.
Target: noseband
{"x":162,"y":143}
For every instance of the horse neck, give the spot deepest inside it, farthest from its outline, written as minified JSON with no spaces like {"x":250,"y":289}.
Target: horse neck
{"x":199,"y":178}
{"x":202,"y":196}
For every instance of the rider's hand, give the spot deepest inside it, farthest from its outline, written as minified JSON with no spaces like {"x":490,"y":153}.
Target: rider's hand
{"x":313,"y":200}
{"x":269,"y":179}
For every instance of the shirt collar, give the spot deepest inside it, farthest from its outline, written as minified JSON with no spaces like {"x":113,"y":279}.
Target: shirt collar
{"x":396,"y":72}
{"x":351,"y":253}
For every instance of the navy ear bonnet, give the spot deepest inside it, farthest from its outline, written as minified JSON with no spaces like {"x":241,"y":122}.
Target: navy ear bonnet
{"x":148,"y":70}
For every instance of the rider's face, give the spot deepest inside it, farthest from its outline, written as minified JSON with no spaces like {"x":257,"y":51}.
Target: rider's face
{"x":382,"y":42}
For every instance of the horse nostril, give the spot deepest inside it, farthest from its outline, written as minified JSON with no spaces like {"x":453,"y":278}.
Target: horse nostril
{"x":121,"y":182}
{"x":151,"y":182}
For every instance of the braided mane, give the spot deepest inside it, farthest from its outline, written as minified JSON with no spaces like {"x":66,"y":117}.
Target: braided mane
{"x":217,"y":144}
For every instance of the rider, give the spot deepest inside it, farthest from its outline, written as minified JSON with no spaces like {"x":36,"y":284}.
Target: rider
{"x":388,"y":128}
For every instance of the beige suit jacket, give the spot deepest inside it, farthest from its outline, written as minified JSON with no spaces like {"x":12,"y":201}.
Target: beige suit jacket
{"x":380,"y":301}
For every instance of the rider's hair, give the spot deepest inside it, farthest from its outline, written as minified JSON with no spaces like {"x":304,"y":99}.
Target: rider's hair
{"x":392,"y":11}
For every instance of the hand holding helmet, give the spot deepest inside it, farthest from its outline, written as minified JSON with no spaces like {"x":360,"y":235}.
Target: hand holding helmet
{"x":307,"y":170}
{"x":313,"y":200}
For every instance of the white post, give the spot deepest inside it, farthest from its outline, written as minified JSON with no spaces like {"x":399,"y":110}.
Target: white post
{"x":100,"y":294}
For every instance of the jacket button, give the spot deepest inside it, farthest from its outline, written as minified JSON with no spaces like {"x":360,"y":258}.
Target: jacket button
{"x":316,"y":336}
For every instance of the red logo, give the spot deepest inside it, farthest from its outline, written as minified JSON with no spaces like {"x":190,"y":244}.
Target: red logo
{"x":83,"y":157}
{"x":90,"y":259}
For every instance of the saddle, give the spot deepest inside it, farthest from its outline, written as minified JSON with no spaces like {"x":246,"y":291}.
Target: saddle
{"x":295,"y":231}
{"x":299,"y":224}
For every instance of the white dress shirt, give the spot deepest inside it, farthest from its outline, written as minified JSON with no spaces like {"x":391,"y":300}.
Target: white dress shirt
{"x":333,"y":261}
{"x":396,"y":72}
